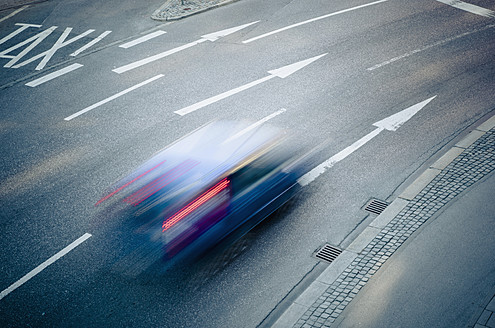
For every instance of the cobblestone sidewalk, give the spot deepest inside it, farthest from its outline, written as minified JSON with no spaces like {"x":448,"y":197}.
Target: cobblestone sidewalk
{"x":177,"y":9}
{"x":469,"y":161}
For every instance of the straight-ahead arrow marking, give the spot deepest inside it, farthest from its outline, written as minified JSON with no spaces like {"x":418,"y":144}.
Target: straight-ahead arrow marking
{"x":208,"y":37}
{"x":282,"y":72}
{"x":391,"y":123}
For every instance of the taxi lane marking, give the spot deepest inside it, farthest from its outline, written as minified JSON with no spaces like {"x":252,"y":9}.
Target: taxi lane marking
{"x":53,"y":75}
{"x":44,"y":265}
{"x":469,"y":8}
{"x":60,"y":43}
{"x":311,"y":20}
{"x":104,"y":101}
{"x":19,"y":30}
{"x":91,"y":43}
{"x":142,"y":39}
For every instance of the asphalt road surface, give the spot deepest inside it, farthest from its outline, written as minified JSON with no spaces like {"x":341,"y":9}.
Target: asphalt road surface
{"x":67,"y":136}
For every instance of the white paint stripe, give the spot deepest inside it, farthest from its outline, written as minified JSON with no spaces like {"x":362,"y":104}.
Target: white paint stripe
{"x":15,"y":12}
{"x":469,"y":8}
{"x":44,"y":265}
{"x":87,"y":109}
{"x":255,"y":125}
{"x":60,"y":43}
{"x":320,"y":169}
{"x":148,"y":60}
{"x":53,"y":75}
{"x":19,"y":30}
{"x":415,"y":51}
{"x":91,"y":43}
{"x":312,"y":20}
{"x":211,"y":100}
{"x":142,"y":39}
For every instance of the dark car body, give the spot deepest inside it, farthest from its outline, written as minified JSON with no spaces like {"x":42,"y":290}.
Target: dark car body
{"x":213,"y":185}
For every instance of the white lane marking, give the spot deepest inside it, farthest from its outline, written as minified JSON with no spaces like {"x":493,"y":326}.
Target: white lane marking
{"x":255,"y":125}
{"x":60,"y":43}
{"x":208,"y":37}
{"x":282,"y":72}
{"x":391,"y":123}
{"x":91,"y":43}
{"x":44,"y":265}
{"x":214,"y":99}
{"x":53,"y":75}
{"x":142,"y":39}
{"x":34,"y":40}
{"x":19,"y":30}
{"x":415,"y":51}
{"x":151,"y":59}
{"x":311,"y":20}
{"x":87,"y":109}
{"x":15,"y":12}
{"x":469,"y":8}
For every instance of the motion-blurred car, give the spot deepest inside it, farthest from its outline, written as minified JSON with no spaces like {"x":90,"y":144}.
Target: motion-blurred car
{"x":213,"y":185}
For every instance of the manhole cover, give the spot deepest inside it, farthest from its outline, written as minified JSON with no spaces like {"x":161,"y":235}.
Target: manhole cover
{"x":327,"y":253}
{"x":376,"y":206}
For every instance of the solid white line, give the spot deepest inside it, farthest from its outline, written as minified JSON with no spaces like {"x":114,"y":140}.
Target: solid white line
{"x":148,"y":60}
{"x":15,"y":12}
{"x":87,"y":109}
{"x":53,"y":75}
{"x":142,"y":39}
{"x":312,"y":20}
{"x":44,"y":265}
{"x":91,"y":43}
{"x":469,"y":8}
{"x":255,"y":125}
{"x":211,"y":100}
{"x":320,"y":169}
{"x":427,"y":47}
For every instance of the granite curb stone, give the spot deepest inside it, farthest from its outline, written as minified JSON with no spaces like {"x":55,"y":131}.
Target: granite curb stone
{"x":178,"y":9}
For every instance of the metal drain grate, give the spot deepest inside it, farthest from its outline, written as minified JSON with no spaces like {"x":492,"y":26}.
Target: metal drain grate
{"x":327,"y":253}
{"x":376,"y":206}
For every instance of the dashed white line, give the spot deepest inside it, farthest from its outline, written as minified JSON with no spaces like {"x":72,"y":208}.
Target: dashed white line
{"x":44,"y":265}
{"x":87,"y":109}
{"x":312,"y":20}
{"x":53,"y":75}
{"x":15,"y":12}
{"x":415,"y":51}
{"x":469,"y":8}
{"x":90,"y":44}
{"x":142,"y":39}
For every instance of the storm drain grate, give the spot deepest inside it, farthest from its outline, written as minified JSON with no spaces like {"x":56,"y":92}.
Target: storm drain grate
{"x":376,"y":206}
{"x":328,"y":253}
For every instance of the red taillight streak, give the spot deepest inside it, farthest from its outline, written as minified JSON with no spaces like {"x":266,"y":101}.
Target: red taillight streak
{"x":154,"y":186}
{"x":195,"y":204}
{"x":128,"y":183}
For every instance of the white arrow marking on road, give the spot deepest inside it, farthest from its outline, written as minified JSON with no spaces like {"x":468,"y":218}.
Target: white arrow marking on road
{"x":208,"y":37}
{"x":282,"y":72}
{"x":391,"y":123}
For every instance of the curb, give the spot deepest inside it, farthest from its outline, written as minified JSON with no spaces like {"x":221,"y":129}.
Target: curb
{"x":173,"y":10}
{"x":306,"y":300}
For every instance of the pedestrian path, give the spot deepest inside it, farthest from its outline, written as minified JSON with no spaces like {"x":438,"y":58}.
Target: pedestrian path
{"x":469,"y":161}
